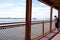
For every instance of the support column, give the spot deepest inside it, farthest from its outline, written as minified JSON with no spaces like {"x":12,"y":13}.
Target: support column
{"x":43,"y":28}
{"x":51,"y":18}
{"x":59,"y":16}
{"x":28,"y":20}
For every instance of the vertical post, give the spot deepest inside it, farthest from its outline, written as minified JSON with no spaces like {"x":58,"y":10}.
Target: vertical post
{"x":28,"y":20}
{"x":51,"y":18}
{"x":59,"y":17}
{"x":43,"y":28}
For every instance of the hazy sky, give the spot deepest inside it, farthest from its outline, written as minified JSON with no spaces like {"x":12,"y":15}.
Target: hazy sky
{"x":17,"y":8}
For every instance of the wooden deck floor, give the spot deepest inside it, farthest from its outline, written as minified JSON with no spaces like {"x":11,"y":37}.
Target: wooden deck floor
{"x":55,"y":35}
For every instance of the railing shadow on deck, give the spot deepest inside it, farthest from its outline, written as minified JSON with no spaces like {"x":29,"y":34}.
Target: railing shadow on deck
{"x":44,"y":24}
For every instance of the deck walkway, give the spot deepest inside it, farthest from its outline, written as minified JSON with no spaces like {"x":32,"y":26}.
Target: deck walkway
{"x":51,"y":36}
{"x":57,"y":37}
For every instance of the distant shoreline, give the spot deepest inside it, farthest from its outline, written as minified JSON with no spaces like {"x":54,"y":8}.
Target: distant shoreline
{"x":15,"y":18}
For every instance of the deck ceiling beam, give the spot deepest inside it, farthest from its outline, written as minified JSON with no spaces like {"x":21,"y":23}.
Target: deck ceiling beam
{"x":55,"y":1}
{"x":55,"y":5}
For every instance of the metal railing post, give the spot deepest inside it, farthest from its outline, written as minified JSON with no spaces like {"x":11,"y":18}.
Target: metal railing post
{"x":43,"y":28}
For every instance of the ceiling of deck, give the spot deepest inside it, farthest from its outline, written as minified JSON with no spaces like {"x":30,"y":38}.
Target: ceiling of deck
{"x":54,"y":3}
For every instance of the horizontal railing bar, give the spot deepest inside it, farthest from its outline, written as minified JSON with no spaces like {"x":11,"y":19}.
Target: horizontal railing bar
{"x":23,"y":22}
{"x":16,"y":24}
{"x":20,"y":24}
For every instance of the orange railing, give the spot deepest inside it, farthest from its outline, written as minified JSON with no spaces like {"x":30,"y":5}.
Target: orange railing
{"x":18,"y":24}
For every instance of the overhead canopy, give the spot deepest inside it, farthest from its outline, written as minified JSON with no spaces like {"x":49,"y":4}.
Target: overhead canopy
{"x":54,"y":3}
